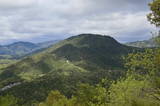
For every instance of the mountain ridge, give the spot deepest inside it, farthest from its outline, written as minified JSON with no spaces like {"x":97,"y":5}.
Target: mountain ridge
{"x":21,"y":48}
{"x":150,"y":43}
{"x":84,"y":58}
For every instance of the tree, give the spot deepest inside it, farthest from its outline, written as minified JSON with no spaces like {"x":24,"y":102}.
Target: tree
{"x":141,"y":86}
{"x":55,"y":98}
{"x":154,"y":16}
{"x":86,"y":95}
{"x":131,"y":92}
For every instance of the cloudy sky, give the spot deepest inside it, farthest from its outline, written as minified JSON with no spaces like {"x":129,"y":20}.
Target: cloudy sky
{"x":42,"y":20}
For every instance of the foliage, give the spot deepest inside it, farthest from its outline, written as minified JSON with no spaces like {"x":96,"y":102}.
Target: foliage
{"x":6,"y":62}
{"x":86,"y":95}
{"x":142,"y":62}
{"x":141,"y":85}
{"x":132,"y":92}
{"x":8,"y":101}
{"x":154,"y":16}
{"x":55,"y":98}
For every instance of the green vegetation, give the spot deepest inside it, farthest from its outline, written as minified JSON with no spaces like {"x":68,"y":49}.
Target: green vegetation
{"x":86,"y":58}
{"x":8,"y":101}
{"x":85,"y":70}
{"x":71,"y":54}
{"x":5,"y":60}
{"x":17,"y":49}
{"x":140,"y":87}
{"x":144,"y":44}
{"x":20,"y":49}
{"x":71,"y":83}
{"x":5,"y":63}
{"x":85,"y":96}
{"x":154,"y":16}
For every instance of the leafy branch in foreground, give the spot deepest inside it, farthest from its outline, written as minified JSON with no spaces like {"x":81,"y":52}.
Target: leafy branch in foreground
{"x":154,"y":16}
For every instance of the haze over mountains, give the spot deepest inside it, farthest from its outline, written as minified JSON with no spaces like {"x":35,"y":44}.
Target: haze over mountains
{"x":143,"y":44}
{"x":19,"y":49}
{"x":13,"y":52}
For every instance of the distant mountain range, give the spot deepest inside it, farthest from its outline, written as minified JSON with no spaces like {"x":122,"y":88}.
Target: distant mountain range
{"x":86,"y":58}
{"x":143,"y":44}
{"x":19,"y":49}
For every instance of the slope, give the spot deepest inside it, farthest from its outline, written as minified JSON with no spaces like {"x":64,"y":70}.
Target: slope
{"x":19,"y":49}
{"x":83,"y":58}
{"x":144,"y":44}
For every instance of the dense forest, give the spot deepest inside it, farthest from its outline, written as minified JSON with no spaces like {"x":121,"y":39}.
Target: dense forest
{"x":73,"y":73}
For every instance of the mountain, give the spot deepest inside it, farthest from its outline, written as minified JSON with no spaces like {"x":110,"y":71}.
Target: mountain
{"x":86,"y":58}
{"x":47,"y":43}
{"x":143,"y":44}
{"x":19,"y":49}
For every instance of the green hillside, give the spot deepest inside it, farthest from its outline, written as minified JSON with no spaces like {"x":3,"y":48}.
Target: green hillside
{"x":84,"y":58}
{"x":20,"y":49}
{"x":151,"y":43}
{"x":17,"y":49}
{"x":12,"y":53}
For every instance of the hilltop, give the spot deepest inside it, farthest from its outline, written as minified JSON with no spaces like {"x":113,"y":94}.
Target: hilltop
{"x":84,"y":58}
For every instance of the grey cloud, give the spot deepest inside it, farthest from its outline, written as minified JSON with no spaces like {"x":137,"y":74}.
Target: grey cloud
{"x":21,"y":20}
{"x":15,"y":4}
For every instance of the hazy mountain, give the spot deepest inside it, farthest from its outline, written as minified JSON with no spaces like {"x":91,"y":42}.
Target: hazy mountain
{"x":19,"y":49}
{"x":83,"y":58}
{"x":47,"y":43}
{"x":143,"y":44}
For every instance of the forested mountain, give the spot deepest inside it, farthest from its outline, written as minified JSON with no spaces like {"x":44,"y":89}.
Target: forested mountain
{"x":144,"y":44}
{"x":47,"y":43}
{"x":86,"y":58}
{"x":19,"y":49}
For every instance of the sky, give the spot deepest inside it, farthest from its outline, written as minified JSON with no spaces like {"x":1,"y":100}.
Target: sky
{"x":44,"y":20}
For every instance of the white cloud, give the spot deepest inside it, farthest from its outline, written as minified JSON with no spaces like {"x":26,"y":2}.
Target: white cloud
{"x":24,"y":19}
{"x":116,"y":24}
